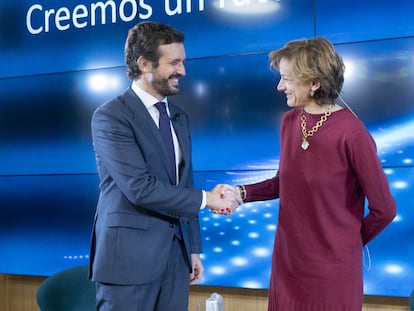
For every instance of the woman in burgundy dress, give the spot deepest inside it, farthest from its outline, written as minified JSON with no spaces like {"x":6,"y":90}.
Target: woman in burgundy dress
{"x":328,"y":166}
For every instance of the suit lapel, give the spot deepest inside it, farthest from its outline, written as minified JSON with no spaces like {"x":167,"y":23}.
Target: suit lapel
{"x":145,"y":124}
{"x":181,"y":130}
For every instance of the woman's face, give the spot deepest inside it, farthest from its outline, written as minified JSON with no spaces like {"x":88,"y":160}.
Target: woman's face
{"x":297,"y":92}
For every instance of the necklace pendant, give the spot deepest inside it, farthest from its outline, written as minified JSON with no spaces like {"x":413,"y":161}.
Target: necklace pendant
{"x":305,"y":144}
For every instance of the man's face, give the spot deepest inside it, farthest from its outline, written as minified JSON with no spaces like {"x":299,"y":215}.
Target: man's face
{"x":165,"y":77}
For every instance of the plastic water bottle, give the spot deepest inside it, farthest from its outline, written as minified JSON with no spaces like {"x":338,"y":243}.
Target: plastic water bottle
{"x":215,"y":303}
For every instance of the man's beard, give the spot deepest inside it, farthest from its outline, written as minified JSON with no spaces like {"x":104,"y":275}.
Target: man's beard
{"x":161,"y":85}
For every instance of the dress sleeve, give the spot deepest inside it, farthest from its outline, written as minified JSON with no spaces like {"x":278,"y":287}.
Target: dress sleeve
{"x":374,"y":184}
{"x":264,"y":190}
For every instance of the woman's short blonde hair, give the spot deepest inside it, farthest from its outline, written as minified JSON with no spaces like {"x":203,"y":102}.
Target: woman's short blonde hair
{"x":313,"y":60}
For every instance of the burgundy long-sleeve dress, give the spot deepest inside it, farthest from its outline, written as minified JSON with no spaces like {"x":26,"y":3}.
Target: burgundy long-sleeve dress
{"x":321,"y":231}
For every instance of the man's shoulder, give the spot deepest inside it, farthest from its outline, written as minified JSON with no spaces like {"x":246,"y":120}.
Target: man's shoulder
{"x":119,"y":102}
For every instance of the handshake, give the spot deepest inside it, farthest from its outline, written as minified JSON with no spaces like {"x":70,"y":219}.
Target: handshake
{"x":224,"y":199}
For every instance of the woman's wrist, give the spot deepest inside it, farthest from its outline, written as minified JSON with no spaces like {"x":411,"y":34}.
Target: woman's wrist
{"x":242,"y":191}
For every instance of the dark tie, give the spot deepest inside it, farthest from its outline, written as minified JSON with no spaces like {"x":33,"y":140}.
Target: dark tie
{"x":165,"y":130}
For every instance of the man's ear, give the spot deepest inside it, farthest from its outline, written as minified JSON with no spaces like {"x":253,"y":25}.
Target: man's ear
{"x":143,"y":64}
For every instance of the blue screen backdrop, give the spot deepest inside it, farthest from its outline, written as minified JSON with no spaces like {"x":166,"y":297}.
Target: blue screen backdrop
{"x":52,"y":81}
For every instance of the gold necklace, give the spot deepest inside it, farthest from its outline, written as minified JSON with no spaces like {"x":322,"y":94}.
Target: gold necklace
{"x":315,"y":128}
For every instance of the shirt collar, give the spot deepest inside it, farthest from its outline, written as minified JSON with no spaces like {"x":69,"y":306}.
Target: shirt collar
{"x":145,"y":97}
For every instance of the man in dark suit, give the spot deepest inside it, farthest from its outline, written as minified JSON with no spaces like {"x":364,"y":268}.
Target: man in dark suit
{"x":146,"y":239}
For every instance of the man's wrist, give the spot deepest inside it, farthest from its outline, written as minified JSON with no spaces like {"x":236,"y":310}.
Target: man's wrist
{"x":204,"y":200}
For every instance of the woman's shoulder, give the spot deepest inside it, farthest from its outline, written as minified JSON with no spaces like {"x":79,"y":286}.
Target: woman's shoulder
{"x":351,"y":128}
{"x":348,"y":118}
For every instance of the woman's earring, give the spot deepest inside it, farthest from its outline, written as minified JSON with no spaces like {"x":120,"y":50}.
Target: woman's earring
{"x":311,"y":93}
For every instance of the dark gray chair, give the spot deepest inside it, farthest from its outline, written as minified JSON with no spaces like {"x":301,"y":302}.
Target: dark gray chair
{"x":68,"y":290}
{"x":411,"y":299}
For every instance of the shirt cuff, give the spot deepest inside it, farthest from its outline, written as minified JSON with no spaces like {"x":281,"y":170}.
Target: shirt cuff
{"x":204,"y":202}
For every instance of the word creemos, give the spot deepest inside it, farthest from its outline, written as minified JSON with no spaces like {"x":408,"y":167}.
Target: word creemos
{"x":42,"y":20}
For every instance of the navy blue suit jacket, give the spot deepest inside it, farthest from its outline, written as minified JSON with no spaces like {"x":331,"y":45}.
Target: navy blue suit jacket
{"x":132,"y":233}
